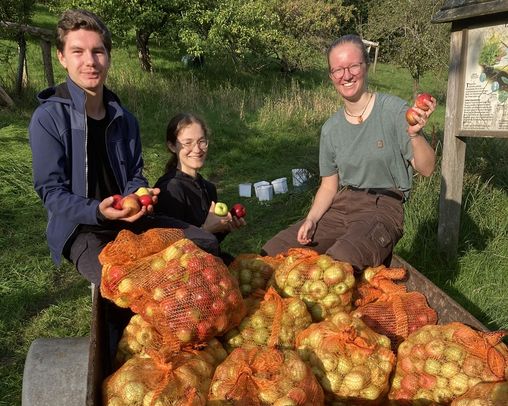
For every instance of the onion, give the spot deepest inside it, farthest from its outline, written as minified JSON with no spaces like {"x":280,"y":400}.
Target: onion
{"x":329,"y":362}
{"x":297,"y":309}
{"x":115,"y":401}
{"x":331,"y":300}
{"x":187,"y":376}
{"x":454,"y":352}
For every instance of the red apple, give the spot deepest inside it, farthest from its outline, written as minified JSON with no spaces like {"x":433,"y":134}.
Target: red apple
{"x":117,"y":202}
{"x":145,"y":200}
{"x":412,"y":116}
{"x":420,"y":101}
{"x":238,"y":210}
{"x":132,"y":203}
{"x":221,"y":209}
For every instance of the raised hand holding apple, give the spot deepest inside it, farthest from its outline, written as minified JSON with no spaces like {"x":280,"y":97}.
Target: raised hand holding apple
{"x":421,"y":111}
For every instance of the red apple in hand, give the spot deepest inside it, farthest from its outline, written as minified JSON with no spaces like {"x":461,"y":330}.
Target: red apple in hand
{"x":238,"y":210}
{"x":132,"y":203}
{"x":145,"y":200}
{"x":420,"y":101}
{"x":221,"y":209}
{"x":412,"y":116}
{"x":117,"y":202}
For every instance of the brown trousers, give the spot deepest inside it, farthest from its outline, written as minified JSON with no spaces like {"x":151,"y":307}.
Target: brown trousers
{"x":358,"y":228}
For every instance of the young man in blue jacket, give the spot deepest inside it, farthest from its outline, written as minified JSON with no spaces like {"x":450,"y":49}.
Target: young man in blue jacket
{"x":86,"y":147}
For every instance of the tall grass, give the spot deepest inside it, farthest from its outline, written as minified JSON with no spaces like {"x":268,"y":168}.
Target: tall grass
{"x":262,"y":126}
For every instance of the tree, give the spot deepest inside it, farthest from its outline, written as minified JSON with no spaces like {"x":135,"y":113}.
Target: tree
{"x":404,"y":30}
{"x":146,"y":18}
{"x":255,"y":33}
{"x":19,"y":11}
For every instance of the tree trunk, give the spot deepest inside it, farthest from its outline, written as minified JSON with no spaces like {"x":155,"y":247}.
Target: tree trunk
{"x":5,"y":99}
{"x":48,"y":65}
{"x":22,"y":75}
{"x":142,"y":39}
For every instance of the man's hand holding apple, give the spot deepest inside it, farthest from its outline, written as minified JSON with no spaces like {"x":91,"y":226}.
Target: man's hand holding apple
{"x":131,"y":207}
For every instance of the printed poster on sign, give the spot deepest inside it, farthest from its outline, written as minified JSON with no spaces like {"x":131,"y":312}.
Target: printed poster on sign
{"x":486,"y":80}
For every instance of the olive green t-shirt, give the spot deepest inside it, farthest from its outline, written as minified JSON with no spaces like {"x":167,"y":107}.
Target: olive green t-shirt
{"x":373,"y":154}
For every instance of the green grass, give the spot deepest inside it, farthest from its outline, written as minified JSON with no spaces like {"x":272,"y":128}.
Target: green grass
{"x":262,"y":126}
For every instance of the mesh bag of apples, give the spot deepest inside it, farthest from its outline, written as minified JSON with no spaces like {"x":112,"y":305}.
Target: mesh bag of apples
{"x":129,"y":246}
{"x":151,"y":379}
{"x":325,"y":285}
{"x":273,"y":321}
{"x":186,"y":294}
{"x":351,"y":361}
{"x":442,"y":362}
{"x":388,"y":308}
{"x":484,"y":394}
{"x":264,"y":376}
{"x":253,"y":271}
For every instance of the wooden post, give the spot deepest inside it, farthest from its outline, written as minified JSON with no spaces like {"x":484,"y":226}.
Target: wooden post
{"x":48,"y":65}
{"x":454,"y":151}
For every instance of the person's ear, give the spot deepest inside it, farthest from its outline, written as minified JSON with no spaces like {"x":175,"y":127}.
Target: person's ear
{"x":171,"y":147}
{"x":61,"y":58}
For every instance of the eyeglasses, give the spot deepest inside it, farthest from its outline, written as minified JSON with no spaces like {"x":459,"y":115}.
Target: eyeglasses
{"x":202,"y":143}
{"x":353,"y":69}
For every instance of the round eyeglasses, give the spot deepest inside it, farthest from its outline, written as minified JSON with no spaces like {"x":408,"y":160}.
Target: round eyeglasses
{"x":189,"y":145}
{"x":353,"y":69}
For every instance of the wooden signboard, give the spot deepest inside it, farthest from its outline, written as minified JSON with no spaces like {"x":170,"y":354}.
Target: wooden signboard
{"x":476,"y":100}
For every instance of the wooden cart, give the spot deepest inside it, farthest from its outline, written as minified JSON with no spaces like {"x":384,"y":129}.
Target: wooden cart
{"x":70,"y":371}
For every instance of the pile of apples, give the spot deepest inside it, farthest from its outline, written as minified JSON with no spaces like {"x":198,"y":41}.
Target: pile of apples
{"x":348,"y":358}
{"x":276,"y":319}
{"x":325,"y":285}
{"x":143,"y":380}
{"x":264,"y":376}
{"x":441,"y":362}
{"x":252,"y":272}
{"x":134,"y":201}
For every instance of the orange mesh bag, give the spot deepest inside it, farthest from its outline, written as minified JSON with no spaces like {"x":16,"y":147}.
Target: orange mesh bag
{"x":264,"y":376}
{"x":484,"y":394}
{"x":187,"y":294}
{"x":253,"y":271}
{"x":128,"y":246}
{"x":325,"y":285}
{"x":275,"y":322}
{"x":397,"y":315}
{"x":181,"y":380}
{"x":440,"y":363}
{"x":351,"y":361}
{"x":376,"y":282}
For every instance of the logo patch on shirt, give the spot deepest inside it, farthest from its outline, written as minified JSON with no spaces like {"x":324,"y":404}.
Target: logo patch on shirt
{"x":380,"y":144}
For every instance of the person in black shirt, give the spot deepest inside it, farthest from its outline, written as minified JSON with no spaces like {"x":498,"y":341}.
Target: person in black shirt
{"x":184,"y":193}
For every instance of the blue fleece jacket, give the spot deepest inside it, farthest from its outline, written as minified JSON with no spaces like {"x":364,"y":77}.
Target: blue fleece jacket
{"x":58,"y":139}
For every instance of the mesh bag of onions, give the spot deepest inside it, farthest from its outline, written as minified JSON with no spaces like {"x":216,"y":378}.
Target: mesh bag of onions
{"x":274,"y":322}
{"x":484,"y":394}
{"x":128,"y":246}
{"x":377,"y":282}
{"x":187,"y":294}
{"x":263,"y":376}
{"x":154,"y":380}
{"x":440,"y":363}
{"x":351,"y":361}
{"x":253,"y":271}
{"x":325,"y":285}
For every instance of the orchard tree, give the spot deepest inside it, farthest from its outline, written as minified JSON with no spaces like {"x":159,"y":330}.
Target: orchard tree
{"x":145,"y":18}
{"x":255,"y":33}
{"x":18,"y":12}
{"x":405,"y":31}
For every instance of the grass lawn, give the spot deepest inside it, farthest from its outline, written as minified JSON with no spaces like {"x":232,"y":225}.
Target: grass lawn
{"x":262,"y":127}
